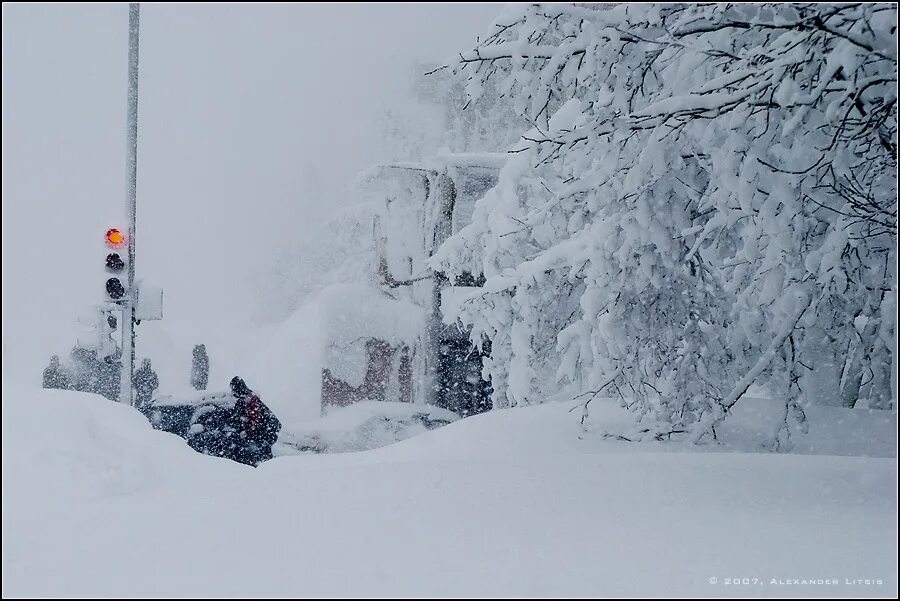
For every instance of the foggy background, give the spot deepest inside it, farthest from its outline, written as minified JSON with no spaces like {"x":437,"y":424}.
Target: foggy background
{"x":252,"y":121}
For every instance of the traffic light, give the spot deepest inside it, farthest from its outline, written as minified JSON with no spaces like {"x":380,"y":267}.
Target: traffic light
{"x":116,"y":264}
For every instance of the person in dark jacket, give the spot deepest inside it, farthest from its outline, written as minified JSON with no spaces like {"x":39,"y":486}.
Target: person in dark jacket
{"x":145,"y":382}
{"x":200,"y":368}
{"x":86,"y":368}
{"x":109,"y":377}
{"x":55,"y":376}
{"x":255,"y":423}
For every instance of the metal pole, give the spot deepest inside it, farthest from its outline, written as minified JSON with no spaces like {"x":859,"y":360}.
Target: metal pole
{"x":128,"y":332}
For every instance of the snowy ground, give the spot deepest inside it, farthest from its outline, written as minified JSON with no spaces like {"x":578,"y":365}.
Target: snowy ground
{"x":362,"y":426}
{"x":518,"y":502}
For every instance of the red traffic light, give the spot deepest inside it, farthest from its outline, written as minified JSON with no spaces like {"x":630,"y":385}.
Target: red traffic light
{"x":115,"y":238}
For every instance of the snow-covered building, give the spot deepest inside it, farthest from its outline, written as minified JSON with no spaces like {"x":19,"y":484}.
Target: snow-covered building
{"x":405,"y":350}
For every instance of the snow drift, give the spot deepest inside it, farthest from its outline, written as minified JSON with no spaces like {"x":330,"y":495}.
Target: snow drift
{"x":517,"y":502}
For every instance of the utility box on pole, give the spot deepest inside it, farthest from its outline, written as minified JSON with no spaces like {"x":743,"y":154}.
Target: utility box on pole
{"x":149,"y":302}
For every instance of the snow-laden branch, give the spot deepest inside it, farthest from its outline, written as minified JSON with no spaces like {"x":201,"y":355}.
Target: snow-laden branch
{"x":786,"y":330}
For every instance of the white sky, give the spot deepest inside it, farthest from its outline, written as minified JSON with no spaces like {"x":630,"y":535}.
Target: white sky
{"x":252,"y":120}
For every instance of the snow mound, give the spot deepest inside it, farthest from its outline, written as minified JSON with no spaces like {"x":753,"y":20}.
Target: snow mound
{"x":81,"y":445}
{"x":362,"y":426}
{"x":97,"y":504}
{"x":517,"y":431}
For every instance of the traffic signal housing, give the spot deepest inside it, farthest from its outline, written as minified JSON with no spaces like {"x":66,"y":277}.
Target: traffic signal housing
{"x":116,"y":264}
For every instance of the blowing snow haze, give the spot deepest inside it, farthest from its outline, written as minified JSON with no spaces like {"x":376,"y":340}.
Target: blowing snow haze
{"x":544,"y":300}
{"x":252,"y":120}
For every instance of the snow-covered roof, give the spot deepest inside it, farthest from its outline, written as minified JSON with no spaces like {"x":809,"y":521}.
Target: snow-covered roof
{"x":492,"y":160}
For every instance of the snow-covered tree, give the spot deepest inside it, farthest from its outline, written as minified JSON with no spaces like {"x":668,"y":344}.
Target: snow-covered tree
{"x":443,"y":119}
{"x":487,"y":122}
{"x":707,"y":200}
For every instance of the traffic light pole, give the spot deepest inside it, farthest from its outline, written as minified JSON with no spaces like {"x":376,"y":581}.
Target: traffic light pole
{"x":128,"y":312}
